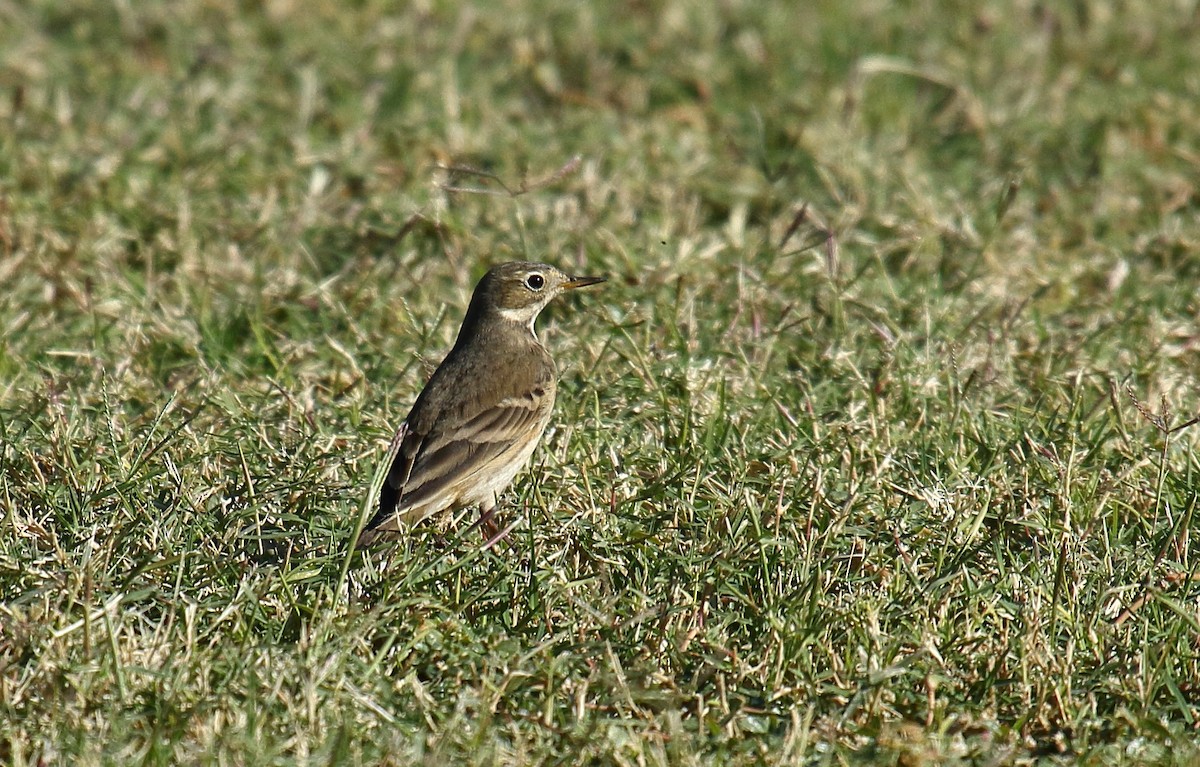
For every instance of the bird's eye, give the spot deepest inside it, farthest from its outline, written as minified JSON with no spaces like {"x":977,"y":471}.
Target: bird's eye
{"x":535,"y":281}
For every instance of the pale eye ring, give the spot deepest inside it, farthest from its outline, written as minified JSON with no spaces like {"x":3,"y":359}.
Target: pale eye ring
{"x":535,"y":281}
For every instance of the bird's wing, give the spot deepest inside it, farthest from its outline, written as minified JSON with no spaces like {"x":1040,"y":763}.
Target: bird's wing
{"x":453,"y":454}
{"x":459,"y":454}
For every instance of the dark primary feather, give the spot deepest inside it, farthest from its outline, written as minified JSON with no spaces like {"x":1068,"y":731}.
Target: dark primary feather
{"x":405,"y":450}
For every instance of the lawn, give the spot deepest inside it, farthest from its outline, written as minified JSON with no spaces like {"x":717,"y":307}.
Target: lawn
{"x":878,"y":447}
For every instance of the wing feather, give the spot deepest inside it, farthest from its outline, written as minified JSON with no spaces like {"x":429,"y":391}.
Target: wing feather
{"x":425,"y":467}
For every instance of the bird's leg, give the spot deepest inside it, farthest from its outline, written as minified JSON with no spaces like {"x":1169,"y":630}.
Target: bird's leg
{"x":487,"y":520}
{"x":492,"y":534}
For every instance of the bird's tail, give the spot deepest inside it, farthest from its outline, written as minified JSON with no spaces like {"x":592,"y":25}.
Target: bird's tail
{"x":382,"y":498}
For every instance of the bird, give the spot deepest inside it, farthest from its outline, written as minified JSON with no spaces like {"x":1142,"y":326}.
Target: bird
{"x":481,"y":415}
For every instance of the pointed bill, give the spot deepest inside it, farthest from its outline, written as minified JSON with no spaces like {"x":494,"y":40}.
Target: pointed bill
{"x":582,"y":282}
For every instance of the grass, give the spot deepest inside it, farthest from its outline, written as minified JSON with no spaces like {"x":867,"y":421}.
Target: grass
{"x":877,"y":449}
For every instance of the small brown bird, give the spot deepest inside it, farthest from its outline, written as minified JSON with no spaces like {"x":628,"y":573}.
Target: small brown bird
{"x":478,"y":420}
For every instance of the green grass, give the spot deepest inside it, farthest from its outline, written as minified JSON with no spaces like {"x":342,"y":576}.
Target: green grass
{"x":905,"y":478}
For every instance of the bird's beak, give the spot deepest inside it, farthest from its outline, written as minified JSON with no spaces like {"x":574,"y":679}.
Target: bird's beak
{"x":582,"y":282}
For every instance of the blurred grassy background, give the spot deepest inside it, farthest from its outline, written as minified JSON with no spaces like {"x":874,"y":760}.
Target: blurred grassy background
{"x":875,"y":450}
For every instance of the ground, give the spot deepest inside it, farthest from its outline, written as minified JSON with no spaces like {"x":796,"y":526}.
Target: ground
{"x":877,"y":448}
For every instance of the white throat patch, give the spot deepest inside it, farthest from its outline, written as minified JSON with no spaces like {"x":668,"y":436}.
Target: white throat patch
{"x":525,"y":316}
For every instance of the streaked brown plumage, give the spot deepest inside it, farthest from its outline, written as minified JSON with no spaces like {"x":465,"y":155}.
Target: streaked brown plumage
{"x":478,"y":420}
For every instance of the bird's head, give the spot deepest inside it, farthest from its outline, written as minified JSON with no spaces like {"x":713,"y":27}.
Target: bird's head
{"x":517,"y":291}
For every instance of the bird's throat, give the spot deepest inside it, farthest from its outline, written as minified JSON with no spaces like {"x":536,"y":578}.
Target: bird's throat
{"x":520,"y":318}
